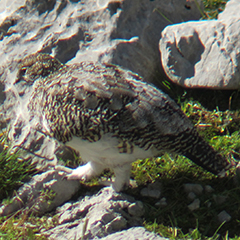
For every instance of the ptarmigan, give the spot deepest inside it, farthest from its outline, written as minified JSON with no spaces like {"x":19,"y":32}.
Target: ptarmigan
{"x":111,"y":117}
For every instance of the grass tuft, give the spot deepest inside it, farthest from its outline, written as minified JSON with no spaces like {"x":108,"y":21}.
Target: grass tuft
{"x":213,"y":8}
{"x":13,"y":170}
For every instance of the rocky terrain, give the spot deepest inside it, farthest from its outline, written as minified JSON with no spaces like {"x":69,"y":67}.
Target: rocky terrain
{"x":133,"y":34}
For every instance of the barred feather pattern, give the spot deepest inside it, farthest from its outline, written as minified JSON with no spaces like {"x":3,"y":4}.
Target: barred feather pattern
{"x":89,"y":100}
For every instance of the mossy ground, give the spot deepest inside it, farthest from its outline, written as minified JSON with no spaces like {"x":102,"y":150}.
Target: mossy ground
{"x":217,"y":116}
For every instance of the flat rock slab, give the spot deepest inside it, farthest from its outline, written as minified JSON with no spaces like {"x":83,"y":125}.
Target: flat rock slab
{"x":204,"y":53}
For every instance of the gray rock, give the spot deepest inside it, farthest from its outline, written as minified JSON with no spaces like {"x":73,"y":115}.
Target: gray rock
{"x":208,"y":189}
{"x":146,"y":192}
{"x":96,"y":216}
{"x":208,"y":204}
{"x":219,"y":199}
{"x":194,"y":205}
{"x":191,"y":195}
{"x":204,"y":53}
{"x":135,"y":233}
{"x":224,"y":217}
{"x":136,"y":209}
{"x":42,"y":194}
{"x":193,"y":187}
{"x":152,"y":190}
{"x":122,"y":32}
{"x":161,"y":203}
{"x":7,"y":8}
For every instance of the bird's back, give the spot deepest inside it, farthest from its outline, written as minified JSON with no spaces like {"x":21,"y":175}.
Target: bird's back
{"x":90,"y":100}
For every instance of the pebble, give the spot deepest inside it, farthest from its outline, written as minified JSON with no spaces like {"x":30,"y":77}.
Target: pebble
{"x":194,"y":205}
{"x":145,"y":192}
{"x":136,"y":209}
{"x":209,"y":189}
{"x":193,"y":187}
{"x":224,"y":217}
{"x":152,"y":190}
{"x":219,"y":199}
{"x":161,"y":203}
{"x":117,"y":224}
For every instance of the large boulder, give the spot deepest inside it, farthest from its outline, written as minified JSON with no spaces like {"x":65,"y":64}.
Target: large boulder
{"x":204,"y":53}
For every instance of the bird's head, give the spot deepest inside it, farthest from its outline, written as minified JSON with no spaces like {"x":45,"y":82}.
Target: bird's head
{"x":35,"y":66}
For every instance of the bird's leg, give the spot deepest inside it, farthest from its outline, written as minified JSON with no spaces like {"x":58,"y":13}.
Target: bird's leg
{"x":122,"y":177}
{"x":91,"y":169}
{"x":83,"y":172}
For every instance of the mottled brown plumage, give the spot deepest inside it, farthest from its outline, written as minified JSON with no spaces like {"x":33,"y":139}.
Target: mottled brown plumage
{"x":112,"y":117}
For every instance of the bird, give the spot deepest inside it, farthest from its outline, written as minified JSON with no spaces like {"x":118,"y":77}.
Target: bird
{"x":112,"y":117}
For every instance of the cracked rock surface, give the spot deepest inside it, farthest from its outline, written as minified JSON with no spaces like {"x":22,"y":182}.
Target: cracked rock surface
{"x":95,"y":215}
{"x":98,"y":215}
{"x":42,"y":194}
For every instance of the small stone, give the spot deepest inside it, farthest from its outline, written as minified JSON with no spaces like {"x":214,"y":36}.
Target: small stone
{"x":191,"y":196}
{"x":224,"y":217}
{"x":136,"y":209}
{"x":219,"y":199}
{"x":117,"y":224}
{"x":146,"y":192}
{"x":209,"y":189}
{"x":194,"y":205}
{"x":154,"y":193}
{"x":155,"y":186}
{"x":192,"y":187}
{"x":161,"y":203}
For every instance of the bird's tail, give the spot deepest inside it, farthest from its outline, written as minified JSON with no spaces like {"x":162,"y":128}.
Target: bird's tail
{"x":200,"y":152}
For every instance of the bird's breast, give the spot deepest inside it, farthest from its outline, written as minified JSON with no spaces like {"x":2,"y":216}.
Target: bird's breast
{"x":106,"y":151}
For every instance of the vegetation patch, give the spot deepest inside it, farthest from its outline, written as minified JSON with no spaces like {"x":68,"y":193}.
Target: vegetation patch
{"x":13,"y":170}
